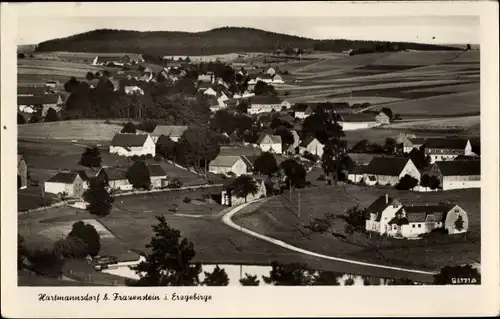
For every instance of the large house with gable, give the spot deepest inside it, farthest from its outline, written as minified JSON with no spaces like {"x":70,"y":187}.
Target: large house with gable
{"x":389,"y":170}
{"x":132,"y":144}
{"x":388,"y":216}
{"x":447,"y":149}
{"x":270,"y":143}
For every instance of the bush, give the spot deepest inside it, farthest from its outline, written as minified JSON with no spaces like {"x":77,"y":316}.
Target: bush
{"x":407,"y":182}
{"x":46,"y":262}
{"x":149,"y":156}
{"x":89,"y":235}
{"x":135,"y":158}
{"x":187,"y":200}
{"x":158,"y":158}
{"x":142,"y":157}
{"x":321,"y":177}
{"x":175,"y":183}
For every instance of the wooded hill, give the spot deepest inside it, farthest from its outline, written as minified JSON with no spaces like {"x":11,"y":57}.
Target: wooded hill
{"x":216,"y":41}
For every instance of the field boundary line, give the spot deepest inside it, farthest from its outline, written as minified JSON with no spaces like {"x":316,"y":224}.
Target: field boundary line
{"x":226,"y":219}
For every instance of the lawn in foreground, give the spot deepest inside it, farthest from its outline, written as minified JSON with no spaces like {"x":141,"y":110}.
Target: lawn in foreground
{"x":278,"y":218}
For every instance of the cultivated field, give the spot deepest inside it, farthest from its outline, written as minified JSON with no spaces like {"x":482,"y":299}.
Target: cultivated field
{"x":278,"y":218}
{"x":32,"y":71}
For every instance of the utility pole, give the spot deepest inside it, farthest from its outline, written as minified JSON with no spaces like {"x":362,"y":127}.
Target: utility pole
{"x":298,"y":203}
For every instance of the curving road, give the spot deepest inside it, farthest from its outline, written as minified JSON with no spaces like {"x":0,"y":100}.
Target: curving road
{"x":226,"y":219}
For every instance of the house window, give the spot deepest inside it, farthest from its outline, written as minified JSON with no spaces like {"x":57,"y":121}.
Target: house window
{"x":413,"y":226}
{"x":419,"y":225}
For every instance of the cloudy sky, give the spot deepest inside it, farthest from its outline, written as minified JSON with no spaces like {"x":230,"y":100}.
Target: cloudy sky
{"x":458,"y":29}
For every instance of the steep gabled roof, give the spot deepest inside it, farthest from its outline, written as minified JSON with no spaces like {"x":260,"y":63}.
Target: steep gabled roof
{"x":379,"y":205}
{"x":265,"y":99}
{"x":224,"y":160}
{"x":116,"y":173}
{"x":308,"y":140}
{"x":419,"y":213}
{"x":389,"y":166}
{"x":156,"y":170}
{"x":129,"y":140}
{"x":446,"y":143}
{"x":63,"y":177}
{"x":358,"y":169}
{"x":274,"y":138}
{"x":170,"y":130}
{"x":459,"y":168}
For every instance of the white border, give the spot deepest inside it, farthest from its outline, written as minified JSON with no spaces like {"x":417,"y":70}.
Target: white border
{"x":272,"y":301}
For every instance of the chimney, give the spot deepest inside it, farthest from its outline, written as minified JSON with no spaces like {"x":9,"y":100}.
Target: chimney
{"x":386,"y":199}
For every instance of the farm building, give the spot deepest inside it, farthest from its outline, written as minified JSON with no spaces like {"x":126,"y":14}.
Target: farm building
{"x":266,"y":103}
{"x":447,"y":149}
{"x":89,"y":174}
{"x":270,"y":71}
{"x":383,"y":118}
{"x":411,"y":143}
{"x":22,"y":173}
{"x":38,"y":102}
{"x":266,"y":78}
{"x":311,"y":145}
{"x":173,"y":131}
{"x":157,"y":175}
{"x":117,"y":179}
{"x":351,"y":122}
{"x":227,"y":164}
{"x":69,"y":183}
{"x":388,"y":216}
{"x":31,"y":90}
{"x":270,"y":143}
{"x":457,"y":174}
{"x":229,"y":199}
{"x":132,"y":144}
{"x":301,"y":111}
{"x":389,"y":170}
{"x":356,"y":174}
{"x":206,"y":78}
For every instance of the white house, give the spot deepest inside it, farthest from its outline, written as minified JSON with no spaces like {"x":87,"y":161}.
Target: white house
{"x":412,"y":143}
{"x":210,"y":92}
{"x":389,"y":170}
{"x":226,"y":164}
{"x":356,"y":174}
{"x":267,"y":103}
{"x":388,"y":216}
{"x":457,"y":174}
{"x":132,"y":144}
{"x":133,"y":89}
{"x":301,"y":111}
{"x":270,"y":143}
{"x":358,"y":121}
{"x":173,"y":131}
{"x":312,"y":145}
{"x":229,"y":199}
{"x":270,"y":71}
{"x":117,"y":179}
{"x":157,"y":175}
{"x":69,"y":183}
{"x":447,"y":149}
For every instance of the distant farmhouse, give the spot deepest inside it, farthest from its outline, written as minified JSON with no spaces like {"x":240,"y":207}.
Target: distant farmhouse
{"x":173,"y":131}
{"x":447,"y":149}
{"x":119,"y":60}
{"x":226,"y":164}
{"x":388,"y":216}
{"x":457,"y":174}
{"x":132,"y":144}
{"x":71,"y":184}
{"x":389,"y":170}
{"x":266,"y":103}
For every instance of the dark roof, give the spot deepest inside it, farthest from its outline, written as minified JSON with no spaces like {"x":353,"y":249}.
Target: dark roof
{"x":88,"y":173}
{"x":63,"y":177}
{"x":274,"y":138}
{"x":459,"y":168}
{"x":399,"y":221}
{"x":129,"y":140}
{"x":38,"y":99}
{"x":170,"y":130}
{"x":466,"y":158}
{"x":359,"y":169}
{"x":265,"y":99}
{"x":446,"y":143}
{"x":358,"y":117}
{"x":250,"y":159}
{"x":156,"y":170}
{"x":390,"y":166}
{"x":33,"y":90}
{"x":379,"y":205}
{"x":301,"y":107}
{"x":287,"y":118}
{"x":116,"y":173}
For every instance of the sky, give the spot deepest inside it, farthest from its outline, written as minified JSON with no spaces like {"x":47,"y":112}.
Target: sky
{"x":458,"y":29}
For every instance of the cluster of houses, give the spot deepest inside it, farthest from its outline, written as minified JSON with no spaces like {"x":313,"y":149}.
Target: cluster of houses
{"x":388,"y":216}
{"x":452,"y":162}
{"x":37,"y":99}
{"x":118,"y":59}
{"x":73,"y":183}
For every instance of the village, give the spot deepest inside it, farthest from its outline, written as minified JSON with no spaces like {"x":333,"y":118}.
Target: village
{"x":229,"y":133}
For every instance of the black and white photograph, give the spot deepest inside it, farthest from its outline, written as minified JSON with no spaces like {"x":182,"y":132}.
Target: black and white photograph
{"x":247,"y":150}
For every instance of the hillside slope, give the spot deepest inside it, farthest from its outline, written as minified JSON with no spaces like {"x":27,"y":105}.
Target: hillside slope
{"x":216,"y":41}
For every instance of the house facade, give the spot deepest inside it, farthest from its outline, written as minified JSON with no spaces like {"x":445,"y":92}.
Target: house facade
{"x":158,"y":176}
{"x":356,"y":174}
{"x":270,"y":143}
{"x":412,"y":143}
{"x":265,"y":104}
{"x":447,"y":149}
{"x":117,"y":179}
{"x":132,"y":144}
{"x":173,"y":131}
{"x":389,"y":170}
{"x":311,"y":145}
{"x":388,"y":216}
{"x":457,"y":174}
{"x":229,"y":199}
{"x":69,"y":183}
{"x":22,"y":173}
{"x":225,"y":164}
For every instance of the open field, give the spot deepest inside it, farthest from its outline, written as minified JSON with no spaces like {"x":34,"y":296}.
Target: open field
{"x":132,"y":216}
{"x":455,"y":123}
{"x":30,"y":71}
{"x":278,"y":218}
